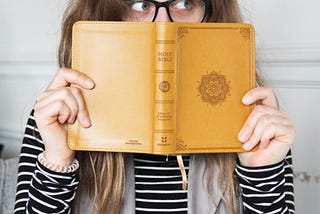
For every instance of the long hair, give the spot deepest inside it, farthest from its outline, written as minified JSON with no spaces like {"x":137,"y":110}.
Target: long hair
{"x":102,"y":173}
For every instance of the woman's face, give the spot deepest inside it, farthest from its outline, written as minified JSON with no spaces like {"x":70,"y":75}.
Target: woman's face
{"x":166,"y":11}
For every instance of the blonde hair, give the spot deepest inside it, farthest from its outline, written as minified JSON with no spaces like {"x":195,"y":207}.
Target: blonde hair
{"x":102,"y":173}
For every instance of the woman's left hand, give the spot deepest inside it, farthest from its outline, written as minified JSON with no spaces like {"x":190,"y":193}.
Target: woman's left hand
{"x":268,"y":128}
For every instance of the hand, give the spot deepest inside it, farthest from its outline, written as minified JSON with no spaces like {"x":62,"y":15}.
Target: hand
{"x":268,"y":127}
{"x":57,"y":106}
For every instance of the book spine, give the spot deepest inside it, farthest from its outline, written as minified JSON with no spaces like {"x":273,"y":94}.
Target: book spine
{"x":165,"y":89}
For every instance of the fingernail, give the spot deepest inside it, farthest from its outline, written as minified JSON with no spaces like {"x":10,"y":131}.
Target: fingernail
{"x":245,"y":99}
{"x":87,"y":122}
{"x":242,"y":135}
{"x":246,"y":146}
{"x":89,"y":83}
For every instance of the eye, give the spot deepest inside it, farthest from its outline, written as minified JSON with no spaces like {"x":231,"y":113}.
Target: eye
{"x":140,"y":6}
{"x":183,"y":4}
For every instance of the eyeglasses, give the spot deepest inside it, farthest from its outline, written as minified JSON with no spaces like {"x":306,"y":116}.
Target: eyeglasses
{"x":178,"y":10}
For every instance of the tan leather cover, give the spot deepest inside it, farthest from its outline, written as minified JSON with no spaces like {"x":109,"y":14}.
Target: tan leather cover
{"x":163,"y":88}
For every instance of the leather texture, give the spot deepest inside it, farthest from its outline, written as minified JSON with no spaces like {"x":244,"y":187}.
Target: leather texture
{"x":163,"y":88}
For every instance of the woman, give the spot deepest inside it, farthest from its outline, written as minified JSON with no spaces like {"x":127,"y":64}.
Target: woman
{"x":49,"y":180}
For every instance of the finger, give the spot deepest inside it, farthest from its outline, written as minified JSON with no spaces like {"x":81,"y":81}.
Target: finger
{"x":67,"y":95}
{"x":51,"y":113}
{"x":267,"y":129}
{"x":268,"y":134}
{"x":258,"y":112}
{"x":250,"y":124}
{"x":82,"y":115}
{"x":263,"y":94}
{"x":279,"y":133}
{"x":72,"y":97}
{"x":263,"y":132}
{"x":65,"y":76}
{"x":43,"y":95}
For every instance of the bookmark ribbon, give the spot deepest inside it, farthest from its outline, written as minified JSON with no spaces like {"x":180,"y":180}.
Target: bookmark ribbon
{"x":183,"y":172}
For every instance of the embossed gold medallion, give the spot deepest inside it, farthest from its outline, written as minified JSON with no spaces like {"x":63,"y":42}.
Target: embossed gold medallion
{"x":213,"y":88}
{"x":164,"y":86}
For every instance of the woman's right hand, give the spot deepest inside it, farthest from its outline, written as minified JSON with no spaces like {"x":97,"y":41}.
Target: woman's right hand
{"x":58,"y":105}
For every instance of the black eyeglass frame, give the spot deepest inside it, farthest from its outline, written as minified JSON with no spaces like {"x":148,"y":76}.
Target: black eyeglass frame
{"x":166,"y":4}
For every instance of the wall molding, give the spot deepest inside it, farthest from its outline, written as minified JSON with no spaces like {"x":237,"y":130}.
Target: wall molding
{"x":24,"y":68}
{"x":287,"y":54}
{"x":290,"y":67}
{"x":47,"y":55}
{"x":296,"y":84}
{"x":291,"y":74}
{"x":12,"y":135}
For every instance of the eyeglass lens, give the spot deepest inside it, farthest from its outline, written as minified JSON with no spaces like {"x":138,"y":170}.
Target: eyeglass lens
{"x":179,"y":10}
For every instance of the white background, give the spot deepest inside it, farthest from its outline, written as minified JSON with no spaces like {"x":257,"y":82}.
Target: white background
{"x":288,"y":43}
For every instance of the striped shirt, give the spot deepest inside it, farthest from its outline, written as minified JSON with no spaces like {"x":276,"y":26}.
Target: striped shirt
{"x":158,"y":184}
{"x":267,"y":189}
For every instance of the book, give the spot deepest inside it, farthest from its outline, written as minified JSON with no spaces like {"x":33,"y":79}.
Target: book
{"x":163,"y":88}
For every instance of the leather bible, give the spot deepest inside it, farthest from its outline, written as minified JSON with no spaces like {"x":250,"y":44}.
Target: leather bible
{"x":163,"y":88}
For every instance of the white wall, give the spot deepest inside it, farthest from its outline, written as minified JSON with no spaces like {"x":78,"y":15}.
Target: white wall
{"x":288,"y":41}
{"x":28,"y":41}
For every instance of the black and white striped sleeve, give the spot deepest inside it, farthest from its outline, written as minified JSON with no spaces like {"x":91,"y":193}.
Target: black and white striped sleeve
{"x":40,"y":190}
{"x":51,"y":192}
{"x":267,"y":189}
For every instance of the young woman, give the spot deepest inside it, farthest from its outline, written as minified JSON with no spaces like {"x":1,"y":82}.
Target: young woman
{"x":54,"y":179}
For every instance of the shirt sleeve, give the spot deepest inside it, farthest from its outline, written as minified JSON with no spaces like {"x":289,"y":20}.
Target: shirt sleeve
{"x":267,"y":189}
{"x":51,"y":192}
{"x":40,"y":190}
